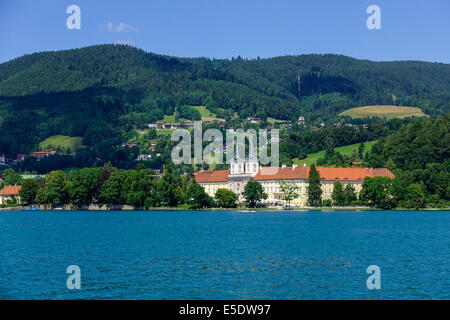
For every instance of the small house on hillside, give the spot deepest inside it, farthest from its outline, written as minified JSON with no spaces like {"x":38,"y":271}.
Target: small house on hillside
{"x":2,"y":160}
{"x":254,"y":120}
{"x":167,"y":125}
{"x":143,"y":157}
{"x":130,"y":144}
{"x":188,"y":124}
{"x":42,"y":154}
{"x":301,"y":120}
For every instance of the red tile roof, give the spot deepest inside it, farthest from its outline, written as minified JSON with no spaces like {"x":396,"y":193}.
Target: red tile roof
{"x":211,"y":176}
{"x":298,"y":173}
{"x":277,"y":173}
{"x":302,"y":173}
{"x":352,"y":174}
{"x":10,"y":190}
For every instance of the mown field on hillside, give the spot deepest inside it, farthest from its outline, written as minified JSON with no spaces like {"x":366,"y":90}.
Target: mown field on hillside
{"x":204,"y":112}
{"x":384,"y":111}
{"x":344,"y":150}
{"x":64,"y":143}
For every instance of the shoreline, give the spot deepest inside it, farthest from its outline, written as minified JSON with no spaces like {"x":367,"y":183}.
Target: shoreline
{"x":106,"y":208}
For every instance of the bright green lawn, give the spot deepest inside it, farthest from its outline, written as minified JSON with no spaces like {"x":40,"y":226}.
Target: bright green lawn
{"x":63,"y":142}
{"x":273,"y":120}
{"x":204,"y":112}
{"x":344,"y":150}
{"x":164,"y":132}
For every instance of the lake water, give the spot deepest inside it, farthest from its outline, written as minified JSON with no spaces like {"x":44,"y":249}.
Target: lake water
{"x":224,"y":254}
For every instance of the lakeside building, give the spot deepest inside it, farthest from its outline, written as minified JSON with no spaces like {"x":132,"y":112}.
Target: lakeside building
{"x":241,"y":172}
{"x":8,"y":193}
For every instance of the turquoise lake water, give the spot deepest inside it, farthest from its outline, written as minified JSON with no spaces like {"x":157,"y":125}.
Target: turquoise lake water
{"x":225,"y":254}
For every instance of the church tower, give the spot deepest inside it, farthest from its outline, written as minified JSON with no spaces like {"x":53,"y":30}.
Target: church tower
{"x":252,"y":166}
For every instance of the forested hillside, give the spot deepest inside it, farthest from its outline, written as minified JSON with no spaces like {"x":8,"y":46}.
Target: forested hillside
{"x":329,"y":83}
{"x":99,"y":92}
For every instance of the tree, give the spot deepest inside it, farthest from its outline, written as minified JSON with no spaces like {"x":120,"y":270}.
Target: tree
{"x":254,"y":193}
{"x":380,"y":192}
{"x":112,"y":188}
{"x":83,"y":185}
{"x":289,"y":191}
{"x":29,"y":190}
{"x":314,"y":188}
{"x":137,"y":186}
{"x":329,"y":147}
{"x":169,"y":189}
{"x":10,"y":177}
{"x":55,"y":190}
{"x":349,"y":194}
{"x":198,"y":198}
{"x":338,"y":195}
{"x":226,"y":198}
{"x":415,"y":196}
{"x":361,"y":150}
{"x":105,"y":172}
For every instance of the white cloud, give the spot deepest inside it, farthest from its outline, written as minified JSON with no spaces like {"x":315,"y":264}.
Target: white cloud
{"x":109,"y":27}
{"x":126,"y":27}
{"x":121,"y":27}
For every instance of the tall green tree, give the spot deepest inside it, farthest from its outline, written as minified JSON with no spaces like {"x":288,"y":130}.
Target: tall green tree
{"x":83,"y":185}
{"x":226,"y":198}
{"x":10,"y":177}
{"x":380,"y":192}
{"x":55,"y":190}
{"x":349,"y":194}
{"x":169,"y":189}
{"x":415,"y":196}
{"x":338,"y":195}
{"x":29,"y":190}
{"x":254,"y":193}
{"x":198,"y":198}
{"x":314,"y":187}
{"x":137,"y":186}
{"x":112,"y":188}
{"x":289,"y":191}
{"x":361,"y":150}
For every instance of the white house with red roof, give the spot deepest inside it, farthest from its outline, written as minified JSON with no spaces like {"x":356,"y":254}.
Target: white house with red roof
{"x":9,"y":193}
{"x":42,"y":154}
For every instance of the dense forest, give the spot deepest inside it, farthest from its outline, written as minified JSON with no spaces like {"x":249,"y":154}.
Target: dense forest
{"x":101,"y":92}
{"x":419,"y":155}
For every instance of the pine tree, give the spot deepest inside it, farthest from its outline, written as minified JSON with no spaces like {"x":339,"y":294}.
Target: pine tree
{"x":361,"y":150}
{"x":314,"y":188}
{"x":338,"y":195}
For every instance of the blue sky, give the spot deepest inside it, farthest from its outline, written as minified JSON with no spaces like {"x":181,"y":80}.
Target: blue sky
{"x":411,"y":30}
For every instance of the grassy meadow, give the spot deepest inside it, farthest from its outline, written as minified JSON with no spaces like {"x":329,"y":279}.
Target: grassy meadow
{"x":344,"y":150}
{"x":386,"y":111}
{"x":61,"y":142}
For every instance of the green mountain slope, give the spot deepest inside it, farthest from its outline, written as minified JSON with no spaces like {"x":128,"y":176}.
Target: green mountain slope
{"x":100,"y":91}
{"x":329,"y":83}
